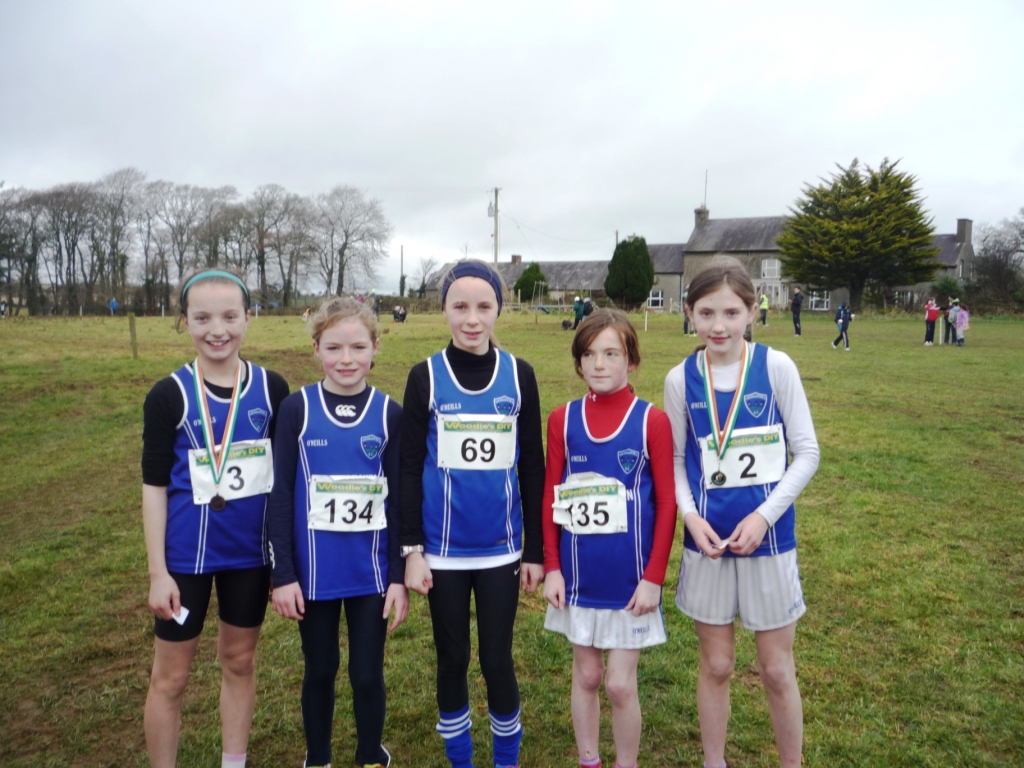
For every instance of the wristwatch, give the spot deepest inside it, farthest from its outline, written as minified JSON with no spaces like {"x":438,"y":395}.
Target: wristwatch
{"x":408,"y":550}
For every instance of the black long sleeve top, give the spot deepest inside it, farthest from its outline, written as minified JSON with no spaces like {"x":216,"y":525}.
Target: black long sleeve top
{"x":473,"y":372}
{"x":281,"y":506}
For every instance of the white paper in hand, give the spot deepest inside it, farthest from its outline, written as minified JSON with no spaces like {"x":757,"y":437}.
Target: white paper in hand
{"x":181,"y":615}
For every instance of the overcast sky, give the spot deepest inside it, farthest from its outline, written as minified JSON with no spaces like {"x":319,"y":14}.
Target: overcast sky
{"x":591,"y":116}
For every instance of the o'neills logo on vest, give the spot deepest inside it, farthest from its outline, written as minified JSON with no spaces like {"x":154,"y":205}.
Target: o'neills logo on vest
{"x":628,"y":459}
{"x":371,"y":445}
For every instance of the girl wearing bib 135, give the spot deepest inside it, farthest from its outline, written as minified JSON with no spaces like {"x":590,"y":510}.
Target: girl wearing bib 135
{"x":734,"y":408}
{"x":334,"y":527}
{"x":472,"y":480}
{"x":609,"y":519}
{"x":207,"y":467}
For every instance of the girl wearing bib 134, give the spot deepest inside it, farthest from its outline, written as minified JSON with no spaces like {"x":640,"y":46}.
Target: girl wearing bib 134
{"x":609,"y":519}
{"x":734,"y":408}
{"x":207,"y":467}
{"x":334,"y":527}
{"x":472,"y":480}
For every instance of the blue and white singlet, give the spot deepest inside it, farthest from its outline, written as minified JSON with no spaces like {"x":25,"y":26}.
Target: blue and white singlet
{"x":334,"y":564}
{"x":471,"y":512}
{"x":603,"y":570}
{"x":724,"y":508}
{"x":199,"y":539}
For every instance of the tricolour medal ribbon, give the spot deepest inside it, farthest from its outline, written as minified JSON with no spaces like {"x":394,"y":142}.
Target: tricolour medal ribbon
{"x":723,"y":433}
{"x":218,"y":456}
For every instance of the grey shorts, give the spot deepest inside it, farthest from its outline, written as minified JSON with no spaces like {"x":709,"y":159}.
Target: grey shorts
{"x":764,"y":591}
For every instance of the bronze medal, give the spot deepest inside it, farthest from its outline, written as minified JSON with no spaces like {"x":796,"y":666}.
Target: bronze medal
{"x":218,"y":502}
{"x":718,"y":478}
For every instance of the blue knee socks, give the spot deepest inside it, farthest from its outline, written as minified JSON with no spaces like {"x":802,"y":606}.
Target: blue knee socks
{"x":458,"y":745}
{"x":508,"y":733}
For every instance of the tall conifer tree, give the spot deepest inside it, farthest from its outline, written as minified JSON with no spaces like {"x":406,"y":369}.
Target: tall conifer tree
{"x":630,"y":272}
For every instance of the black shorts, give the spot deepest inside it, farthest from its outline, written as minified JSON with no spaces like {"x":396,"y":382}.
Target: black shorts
{"x":242,"y":598}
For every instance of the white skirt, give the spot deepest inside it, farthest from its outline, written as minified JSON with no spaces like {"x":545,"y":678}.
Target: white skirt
{"x":606,"y":628}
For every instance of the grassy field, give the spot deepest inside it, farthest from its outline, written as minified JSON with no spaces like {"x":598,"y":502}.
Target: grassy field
{"x":911,"y":653}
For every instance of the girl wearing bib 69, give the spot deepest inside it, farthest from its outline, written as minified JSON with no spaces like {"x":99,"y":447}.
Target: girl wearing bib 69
{"x":334,"y":527}
{"x":609,"y":519}
{"x":734,"y":408}
{"x":472,"y":480}
{"x":207,"y":468}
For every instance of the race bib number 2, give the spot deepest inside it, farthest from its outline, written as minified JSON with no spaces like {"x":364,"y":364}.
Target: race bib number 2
{"x":755,"y":456}
{"x":249,"y":472}
{"x":347,"y":503}
{"x":591,"y":503}
{"x":476,"y":442}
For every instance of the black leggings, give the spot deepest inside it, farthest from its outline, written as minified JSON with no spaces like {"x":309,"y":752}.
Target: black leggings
{"x":844,"y":336}
{"x":367,"y":630}
{"x":497,"y":598}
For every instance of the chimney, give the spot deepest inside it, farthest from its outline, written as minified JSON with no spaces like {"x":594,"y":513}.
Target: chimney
{"x":700,"y":216}
{"x":963,"y":230}
{"x":516,"y":259}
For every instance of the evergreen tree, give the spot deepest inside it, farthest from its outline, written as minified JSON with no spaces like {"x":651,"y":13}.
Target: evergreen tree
{"x":630,"y":272}
{"x":863,"y":228}
{"x":530,"y":277}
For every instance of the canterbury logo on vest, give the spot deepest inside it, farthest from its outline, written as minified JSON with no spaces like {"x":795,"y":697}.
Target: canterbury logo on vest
{"x":371,"y":445}
{"x":345,"y":411}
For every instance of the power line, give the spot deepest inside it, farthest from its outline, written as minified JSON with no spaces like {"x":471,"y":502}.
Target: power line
{"x":553,"y":237}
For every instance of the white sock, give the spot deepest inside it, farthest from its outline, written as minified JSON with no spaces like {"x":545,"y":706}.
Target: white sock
{"x":232,"y":761}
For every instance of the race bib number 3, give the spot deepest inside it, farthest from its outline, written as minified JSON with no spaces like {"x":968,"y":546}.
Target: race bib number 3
{"x":476,"y":442}
{"x":347,"y":503}
{"x":755,"y":456}
{"x":591,"y":503}
{"x":249,"y":472}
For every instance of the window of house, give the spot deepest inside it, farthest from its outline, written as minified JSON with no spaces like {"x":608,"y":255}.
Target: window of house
{"x":770,"y":269}
{"x":819,"y":301}
{"x":903,"y":298}
{"x":657,"y":299}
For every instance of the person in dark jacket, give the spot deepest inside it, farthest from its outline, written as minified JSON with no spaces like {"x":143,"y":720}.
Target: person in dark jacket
{"x":577,"y":308}
{"x":843,"y":320}
{"x":795,"y":305}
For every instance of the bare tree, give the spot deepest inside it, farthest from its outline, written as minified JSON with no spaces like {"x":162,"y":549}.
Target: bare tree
{"x":68,"y":209}
{"x":149,"y":230}
{"x":358,"y":232}
{"x":181,"y":211}
{"x":267,"y":208}
{"x":117,"y":197}
{"x":428,"y":265}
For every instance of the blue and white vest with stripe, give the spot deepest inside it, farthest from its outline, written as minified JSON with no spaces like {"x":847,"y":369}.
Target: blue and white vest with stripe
{"x":199,"y":539}
{"x":471,"y":513}
{"x":603,"y":570}
{"x":724,"y":508}
{"x":333,"y":564}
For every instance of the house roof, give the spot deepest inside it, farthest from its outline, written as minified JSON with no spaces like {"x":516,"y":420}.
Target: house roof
{"x":736,"y":235}
{"x":668,"y":259}
{"x":950,"y":250}
{"x":561,"y":275}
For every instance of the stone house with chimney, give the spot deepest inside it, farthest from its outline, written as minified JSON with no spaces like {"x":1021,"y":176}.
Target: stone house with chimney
{"x":566,"y":279}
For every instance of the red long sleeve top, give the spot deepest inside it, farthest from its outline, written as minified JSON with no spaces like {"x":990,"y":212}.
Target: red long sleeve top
{"x":604,"y":415}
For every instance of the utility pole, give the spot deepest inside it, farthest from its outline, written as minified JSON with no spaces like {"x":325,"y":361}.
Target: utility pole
{"x":401,"y":268}
{"x":492,"y":210}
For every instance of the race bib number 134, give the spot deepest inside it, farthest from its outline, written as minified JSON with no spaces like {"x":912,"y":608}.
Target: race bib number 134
{"x":347,"y":503}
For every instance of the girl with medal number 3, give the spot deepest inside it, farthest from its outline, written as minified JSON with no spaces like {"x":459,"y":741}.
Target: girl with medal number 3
{"x":734,"y":408}
{"x":207,"y":468}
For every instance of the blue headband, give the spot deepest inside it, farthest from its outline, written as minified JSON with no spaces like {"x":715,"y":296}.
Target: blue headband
{"x":472,"y":269}
{"x":210,"y":273}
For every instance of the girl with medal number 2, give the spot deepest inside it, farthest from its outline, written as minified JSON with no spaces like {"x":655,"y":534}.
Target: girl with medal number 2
{"x":735,"y":407}
{"x":207,"y":468}
{"x":334,"y":527}
{"x":609,"y":520}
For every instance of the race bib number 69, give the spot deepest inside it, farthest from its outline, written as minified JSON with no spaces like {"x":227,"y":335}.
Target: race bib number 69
{"x":476,"y":442}
{"x":347,"y":503}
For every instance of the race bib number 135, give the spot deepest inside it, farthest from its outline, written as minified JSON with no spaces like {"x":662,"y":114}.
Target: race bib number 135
{"x":591,"y":503}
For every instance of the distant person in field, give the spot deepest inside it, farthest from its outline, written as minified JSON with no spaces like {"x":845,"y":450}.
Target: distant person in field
{"x":737,"y":411}
{"x":472,"y":480}
{"x":763,"y":306}
{"x":931,"y":315}
{"x":603,"y":589}
{"x":588,"y":307}
{"x":795,"y":306}
{"x":951,"y":319}
{"x":948,"y":336}
{"x":207,"y":467}
{"x":963,"y":324}
{"x":3,"y":308}
{"x":577,"y":309}
{"x":843,"y":319}
{"x":334,"y":528}
{"x":113,"y":306}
